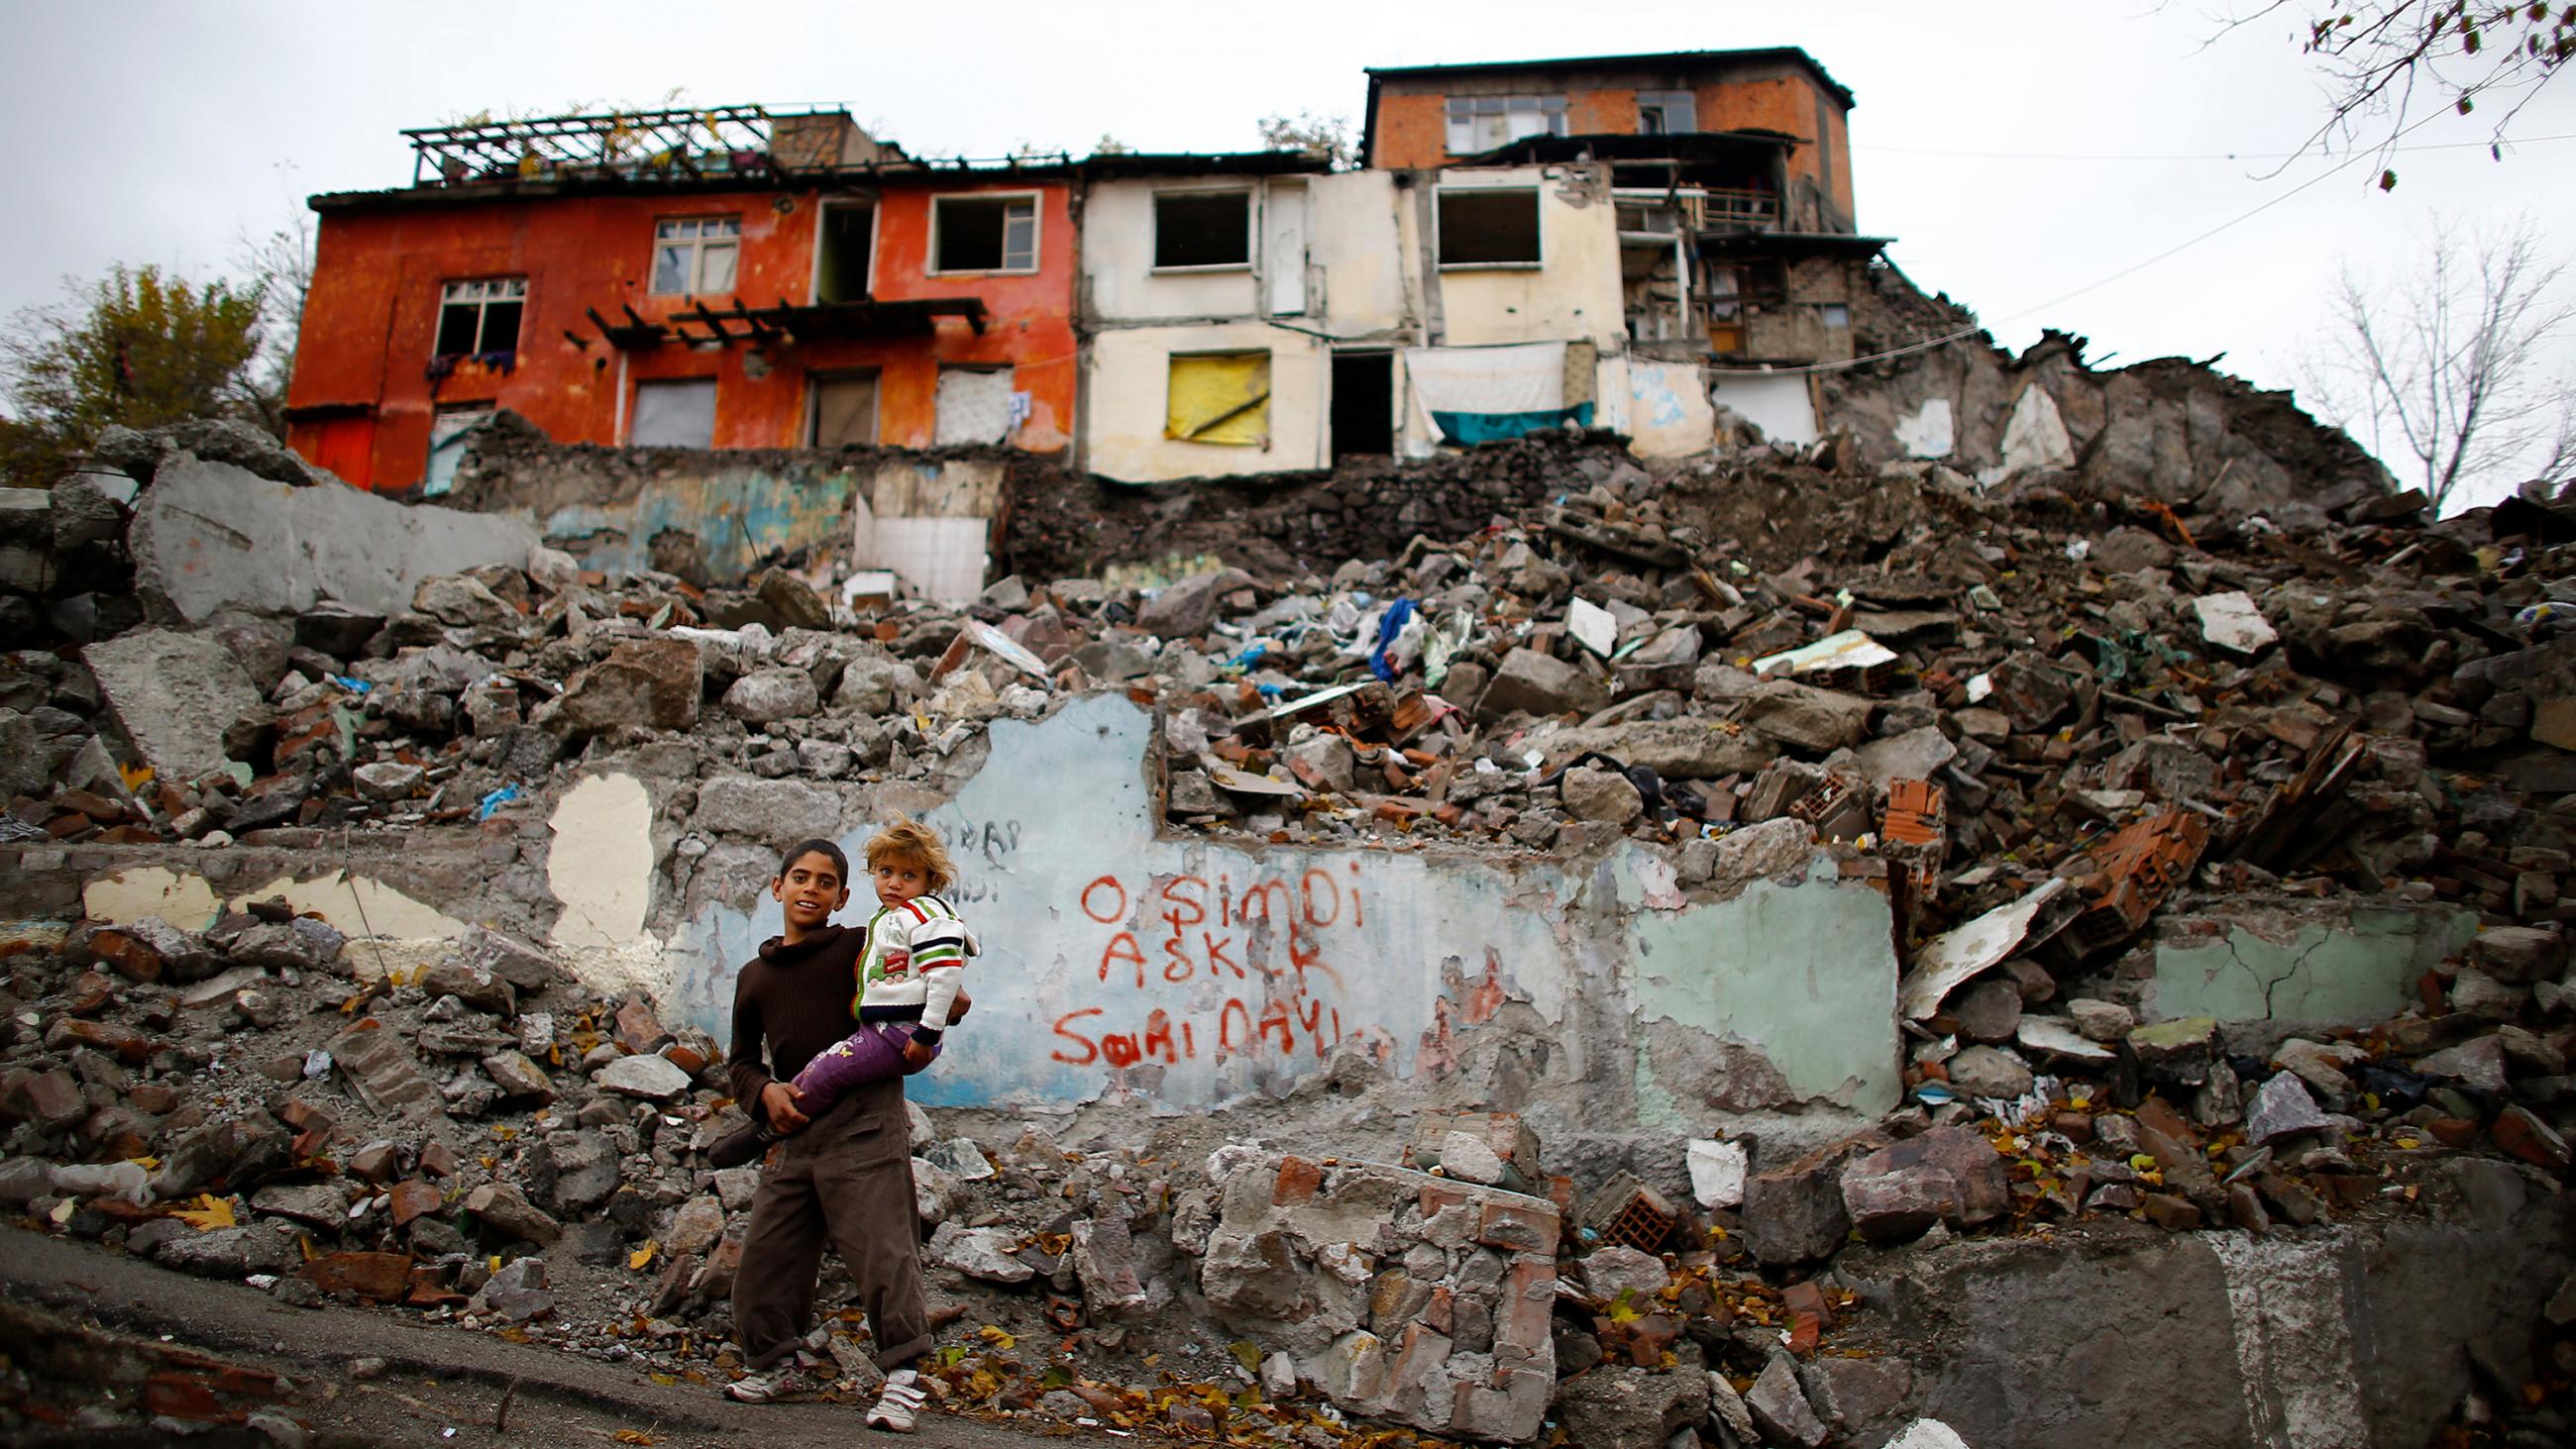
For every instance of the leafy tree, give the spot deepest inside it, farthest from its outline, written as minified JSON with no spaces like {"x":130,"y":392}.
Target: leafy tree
{"x":2448,"y":368}
{"x":1326,"y":138}
{"x":136,"y":347}
{"x":2389,"y":64}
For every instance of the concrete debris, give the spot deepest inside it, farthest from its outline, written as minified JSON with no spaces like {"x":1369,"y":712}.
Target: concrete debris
{"x":2144,"y":813}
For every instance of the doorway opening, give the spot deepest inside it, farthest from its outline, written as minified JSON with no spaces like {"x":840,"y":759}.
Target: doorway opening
{"x":1363,"y":403}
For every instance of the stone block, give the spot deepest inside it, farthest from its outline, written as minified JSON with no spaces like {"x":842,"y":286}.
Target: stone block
{"x":174,"y":696}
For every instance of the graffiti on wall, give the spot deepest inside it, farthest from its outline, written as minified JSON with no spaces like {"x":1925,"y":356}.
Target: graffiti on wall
{"x":1189,"y":973}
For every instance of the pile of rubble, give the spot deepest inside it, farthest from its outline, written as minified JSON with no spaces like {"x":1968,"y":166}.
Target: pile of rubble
{"x":2051,"y":727}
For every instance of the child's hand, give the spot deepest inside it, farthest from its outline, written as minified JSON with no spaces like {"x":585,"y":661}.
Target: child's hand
{"x":916,"y":1055}
{"x":778,"y":1099}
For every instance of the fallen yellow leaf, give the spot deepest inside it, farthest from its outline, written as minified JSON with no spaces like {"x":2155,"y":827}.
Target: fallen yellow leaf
{"x":636,"y":1260}
{"x":210,"y":1213}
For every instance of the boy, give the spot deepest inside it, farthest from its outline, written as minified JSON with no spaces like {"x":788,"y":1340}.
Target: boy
{"x":846,"y":1177}
{"x":908,"y":983}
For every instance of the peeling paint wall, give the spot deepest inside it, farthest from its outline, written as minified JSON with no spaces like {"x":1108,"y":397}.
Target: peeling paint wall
{"x":1188,"y":973}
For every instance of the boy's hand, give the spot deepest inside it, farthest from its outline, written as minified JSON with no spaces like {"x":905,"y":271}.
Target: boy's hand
{"x":916,"y":1055}
{"x":778,"y":1099}
{"x":957,"y":1008}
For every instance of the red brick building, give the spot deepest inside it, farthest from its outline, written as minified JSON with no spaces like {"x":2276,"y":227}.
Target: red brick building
{"x":722,"y":278}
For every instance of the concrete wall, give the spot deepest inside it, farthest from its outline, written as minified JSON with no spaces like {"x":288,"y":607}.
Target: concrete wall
{"x":1669,"y":415}
{"x":1127,"y":376}
{"x":1356,"y":289}
{"x":1186,"y":973}
{"x":1574,"y":291}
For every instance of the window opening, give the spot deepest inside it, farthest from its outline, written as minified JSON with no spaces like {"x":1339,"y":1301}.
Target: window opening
{"x":1663,"y":113}
{"x":695,"y":254}
{"x":845,"y":242}
{"x":680,"y":413}
{"x":1482,"y":123}
{"x":1363,"y":403}
{"x":1489,"y":228}
{"x":1220,"y":398}
{"x":845,"y":411}
{"x":985,"y":233}
{"x":1203,"y":229}
{"x":479,"y":317}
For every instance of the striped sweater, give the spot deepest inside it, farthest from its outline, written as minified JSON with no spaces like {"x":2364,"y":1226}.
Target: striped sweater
{"x":915,"y":958}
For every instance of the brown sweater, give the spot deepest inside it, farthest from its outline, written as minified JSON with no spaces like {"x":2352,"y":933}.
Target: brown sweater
{"x":796,"y":999}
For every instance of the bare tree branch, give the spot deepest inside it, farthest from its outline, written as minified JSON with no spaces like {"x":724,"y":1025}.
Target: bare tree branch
{"x":2392,"y":65}
{"x":2451,"y":362}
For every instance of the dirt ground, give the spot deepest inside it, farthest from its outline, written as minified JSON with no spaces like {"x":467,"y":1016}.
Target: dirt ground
{"x":89,"y":1328}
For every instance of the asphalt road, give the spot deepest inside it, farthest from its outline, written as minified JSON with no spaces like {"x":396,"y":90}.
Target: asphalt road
{"x":83,"y":1316}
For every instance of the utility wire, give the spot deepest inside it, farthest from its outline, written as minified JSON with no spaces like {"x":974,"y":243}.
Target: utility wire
{"x":2132,"y":269}
{"x":2200,"y":155}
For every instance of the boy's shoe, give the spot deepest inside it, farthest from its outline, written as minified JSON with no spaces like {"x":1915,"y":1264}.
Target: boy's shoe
{"x":786,"y":1381}
{"x":736,"y":1148}
{"x":897,"y":1406}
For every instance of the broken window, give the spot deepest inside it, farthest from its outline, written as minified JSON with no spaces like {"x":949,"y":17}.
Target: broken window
{"x":1220,"y":398}
{"x":1203,"y":229}
{"x":842,"y":242}
{"x":1481,"y":123}
{"x":1663,"y":113}
{"x":984,"y":233}
{"x":695,"y":254}
{"x":845,"y":410}
{"x":1489,"y":228}
{"x":481,"y":317}
{"x":680,"y":413}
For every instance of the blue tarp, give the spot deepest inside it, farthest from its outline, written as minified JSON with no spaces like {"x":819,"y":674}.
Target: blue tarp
{"x":1498,"y":427}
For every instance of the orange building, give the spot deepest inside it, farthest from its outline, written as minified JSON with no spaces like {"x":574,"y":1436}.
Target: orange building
{"x":714,"y":278}
{"x":1730,"y":171}
{"x":1443,"y":115}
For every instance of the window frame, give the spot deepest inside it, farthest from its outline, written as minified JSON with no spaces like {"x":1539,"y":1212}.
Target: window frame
{"x":876,"y":240}
{"x":1037,"y":234}
{"x":814,"y":385}
{"x":1551,"y":107}
{"x":482,"y":305}
{"x":1251,"y":230}
{"x":1660,"y":104}
{"x":697,"y":244}
{"x":1439,"y":227}
{"x":635,"y":407}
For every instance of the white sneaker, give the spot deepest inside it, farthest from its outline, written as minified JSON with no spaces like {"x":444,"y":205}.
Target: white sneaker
{"x":783,"y":1382}
{"x":898,"y":1405}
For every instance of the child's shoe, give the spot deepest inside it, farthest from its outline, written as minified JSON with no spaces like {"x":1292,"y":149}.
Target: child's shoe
{"x":747,"y":1145}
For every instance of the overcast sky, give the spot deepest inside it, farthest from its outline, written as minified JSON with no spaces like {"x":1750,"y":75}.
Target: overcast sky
{"x":2018,"y":153}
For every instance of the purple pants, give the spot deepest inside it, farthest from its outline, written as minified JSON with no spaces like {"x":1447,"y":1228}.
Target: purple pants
{"x":873,"y":1053}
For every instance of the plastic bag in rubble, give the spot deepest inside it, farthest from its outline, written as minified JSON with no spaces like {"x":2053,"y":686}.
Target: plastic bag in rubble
{"x":1442,"y":644}
{"x":1399,"y":640}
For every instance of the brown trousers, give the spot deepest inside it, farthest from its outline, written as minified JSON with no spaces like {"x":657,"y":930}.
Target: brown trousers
{"x":846,"y":1179}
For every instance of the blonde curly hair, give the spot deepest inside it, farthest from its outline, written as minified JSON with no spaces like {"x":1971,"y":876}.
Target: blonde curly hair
{"x":909,"y":842}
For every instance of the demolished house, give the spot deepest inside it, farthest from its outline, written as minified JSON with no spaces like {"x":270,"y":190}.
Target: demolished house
{"x":2036,"y":917}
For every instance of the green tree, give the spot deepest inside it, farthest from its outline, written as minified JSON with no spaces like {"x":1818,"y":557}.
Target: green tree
{"x":137,"y":347}
{"x":2390,"y":64}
